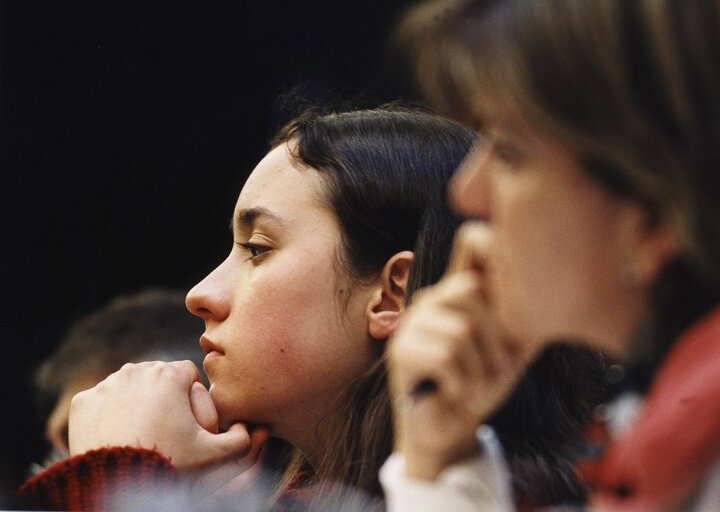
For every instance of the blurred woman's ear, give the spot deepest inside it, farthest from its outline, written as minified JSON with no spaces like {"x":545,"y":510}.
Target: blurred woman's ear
{"x":388,"y":299}
{"x":653,"y":243}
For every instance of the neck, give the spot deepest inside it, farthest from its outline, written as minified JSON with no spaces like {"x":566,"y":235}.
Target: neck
{"x":312,"y":437}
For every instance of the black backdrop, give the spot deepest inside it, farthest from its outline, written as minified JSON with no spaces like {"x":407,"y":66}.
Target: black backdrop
{"x":127,"y":131}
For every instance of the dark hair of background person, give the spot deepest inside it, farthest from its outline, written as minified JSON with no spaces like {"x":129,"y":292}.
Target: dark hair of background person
{"x":385,"y":171}
{"x":153,"y":324}
{"x":632,"y":87}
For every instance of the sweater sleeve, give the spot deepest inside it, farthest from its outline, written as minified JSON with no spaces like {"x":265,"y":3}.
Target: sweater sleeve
{"x":89,"y":481}
{"x":476,"y":485}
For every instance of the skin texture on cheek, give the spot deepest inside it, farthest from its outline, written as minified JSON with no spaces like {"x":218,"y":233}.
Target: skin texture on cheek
{"x":272,"y":362}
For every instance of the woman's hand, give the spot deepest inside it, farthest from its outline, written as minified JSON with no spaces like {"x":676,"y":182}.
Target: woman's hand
{"x":447,"y":336}
{"x":156,"y":405}
{"x":228,"y":479}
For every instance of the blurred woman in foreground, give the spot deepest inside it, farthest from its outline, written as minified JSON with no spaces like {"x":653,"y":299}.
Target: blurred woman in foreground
{"x":600,"y":183}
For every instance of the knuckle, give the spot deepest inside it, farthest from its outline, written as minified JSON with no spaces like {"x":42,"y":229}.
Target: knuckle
{"x":186,"y":365}
{"x":79,"y":398}
{"x":164,"y":369}
{"x":127,"y":367}
{"x":463,"y":232}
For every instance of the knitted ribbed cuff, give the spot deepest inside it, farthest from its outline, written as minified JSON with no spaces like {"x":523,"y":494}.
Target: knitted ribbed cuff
{"x":89,"y":481}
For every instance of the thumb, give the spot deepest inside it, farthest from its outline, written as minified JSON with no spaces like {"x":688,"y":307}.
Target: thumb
{"x":232,"y":474}
{"x":234,"y":443}
{"x":203,"y":408}
{"x":258,"y":438}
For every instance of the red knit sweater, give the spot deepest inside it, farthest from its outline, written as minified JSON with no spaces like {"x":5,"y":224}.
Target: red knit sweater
{"x":88,"y":481}
{"x":91,"y":480}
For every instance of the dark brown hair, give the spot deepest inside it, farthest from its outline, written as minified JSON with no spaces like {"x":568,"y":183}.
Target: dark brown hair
{"x":386,"y":171}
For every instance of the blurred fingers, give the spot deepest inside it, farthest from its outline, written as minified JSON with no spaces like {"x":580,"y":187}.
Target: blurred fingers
{"x":470,"y":247}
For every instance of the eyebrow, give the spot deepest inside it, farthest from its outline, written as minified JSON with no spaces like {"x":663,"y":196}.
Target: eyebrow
{"x":246,"y":217}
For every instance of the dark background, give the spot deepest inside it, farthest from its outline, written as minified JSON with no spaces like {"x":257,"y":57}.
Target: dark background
{"x":128,"y":129}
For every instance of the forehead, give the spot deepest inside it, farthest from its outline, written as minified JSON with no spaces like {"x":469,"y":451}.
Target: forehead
{"x":280,"y":187}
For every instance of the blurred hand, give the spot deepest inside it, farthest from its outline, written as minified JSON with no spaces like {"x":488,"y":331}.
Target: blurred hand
{"x":448,"y":336}
{"x":156,"y":405}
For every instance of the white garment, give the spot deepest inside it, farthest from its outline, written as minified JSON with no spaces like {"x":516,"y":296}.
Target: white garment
{"x":480,"y":484}
{"x":708,"y":496}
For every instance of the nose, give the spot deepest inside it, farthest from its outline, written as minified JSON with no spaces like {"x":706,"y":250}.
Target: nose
{"x":209,"y":299}
{"x":469,"y":188}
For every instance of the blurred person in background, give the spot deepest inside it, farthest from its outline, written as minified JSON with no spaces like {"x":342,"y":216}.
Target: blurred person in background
{"x":146,"y":326}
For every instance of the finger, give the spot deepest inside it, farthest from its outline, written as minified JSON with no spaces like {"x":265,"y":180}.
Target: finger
{"x":234,"y":443}
{"x":406,"y":350}
{"x":210,"y":479}
{"x":436,"y":349}
{"x":189,"y":370}
{"x":259,"y":436}
{"x":203,"y":408}
{"x":459,"y":319}
{"x":470,"y":247}
{"x":488,"y":346}
{"x":258,"y":439}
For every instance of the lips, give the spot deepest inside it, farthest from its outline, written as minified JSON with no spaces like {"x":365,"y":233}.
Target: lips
{"x":212,"y":353}
{"x":208,"y":346}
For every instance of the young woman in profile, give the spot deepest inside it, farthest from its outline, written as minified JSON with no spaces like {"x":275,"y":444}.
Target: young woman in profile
{"x":298,"y":313}
{"x":325,"y":231}
{"x":599,"y":187}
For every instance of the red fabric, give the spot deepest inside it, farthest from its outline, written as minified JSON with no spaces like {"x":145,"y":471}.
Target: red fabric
{"x":668,"y":449}
{"x":87,"y":481}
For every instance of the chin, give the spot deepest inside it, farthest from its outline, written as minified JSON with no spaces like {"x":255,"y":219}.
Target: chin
{"x":228,"y":410}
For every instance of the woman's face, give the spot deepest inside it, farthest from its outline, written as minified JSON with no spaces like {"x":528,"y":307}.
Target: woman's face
{"x":558,"y":243}
{"x":285,"y":328}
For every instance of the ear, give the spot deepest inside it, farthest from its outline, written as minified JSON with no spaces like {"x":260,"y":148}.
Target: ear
{"x":387,"y":301}
{"x":653,"y":243}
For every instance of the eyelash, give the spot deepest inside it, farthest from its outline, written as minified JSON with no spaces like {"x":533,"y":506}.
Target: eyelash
{"x":254,"y":249}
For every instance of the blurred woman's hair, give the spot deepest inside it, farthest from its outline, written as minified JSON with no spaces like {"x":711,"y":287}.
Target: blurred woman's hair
{"x":632,"y":87}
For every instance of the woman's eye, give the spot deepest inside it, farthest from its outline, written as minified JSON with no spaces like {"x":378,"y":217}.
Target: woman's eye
{"x":254,"y":249}
{"x":506,"y":153}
